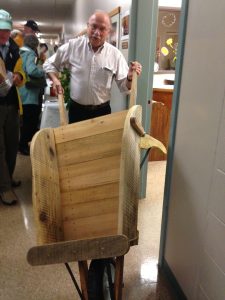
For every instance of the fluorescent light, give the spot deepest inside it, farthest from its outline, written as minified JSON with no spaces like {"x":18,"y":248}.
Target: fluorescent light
{"x":170,"y":3}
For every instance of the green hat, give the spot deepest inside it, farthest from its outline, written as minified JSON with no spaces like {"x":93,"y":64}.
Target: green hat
{"x":5,"y":20}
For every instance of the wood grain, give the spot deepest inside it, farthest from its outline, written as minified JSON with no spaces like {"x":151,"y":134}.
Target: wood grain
{"x":46,"y":191}
{"x":79,"y":250}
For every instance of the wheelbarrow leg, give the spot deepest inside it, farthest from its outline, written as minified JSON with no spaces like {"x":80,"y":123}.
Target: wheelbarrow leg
{"x":118,"y":284}
{"x":83,"y":270}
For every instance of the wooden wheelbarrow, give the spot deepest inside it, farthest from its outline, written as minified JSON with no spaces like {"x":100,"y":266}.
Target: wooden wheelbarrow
{"x":85,"y":193}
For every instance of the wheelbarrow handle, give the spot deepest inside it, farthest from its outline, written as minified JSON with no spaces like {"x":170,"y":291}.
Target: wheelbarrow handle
{"x":133,"y":90}
{"x":137,"y":127}
{"x":62,"y":112}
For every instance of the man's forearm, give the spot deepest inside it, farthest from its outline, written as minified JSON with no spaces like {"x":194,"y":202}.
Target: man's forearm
{"x":53,"y":76}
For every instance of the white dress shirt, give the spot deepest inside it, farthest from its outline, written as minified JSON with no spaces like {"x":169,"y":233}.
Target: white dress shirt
{"x":91,"y":72}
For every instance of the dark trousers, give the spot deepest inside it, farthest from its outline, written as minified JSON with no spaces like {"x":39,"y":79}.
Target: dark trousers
{"x":78,"y":112}
{"x":9,"y":138}
{"x":29,"y":124}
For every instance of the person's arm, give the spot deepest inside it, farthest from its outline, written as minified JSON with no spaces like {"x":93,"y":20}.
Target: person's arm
{"x":54,"y":64}
{"x":134,"y":66}
{"x":124,"y":74}
{"x":56,"y":83}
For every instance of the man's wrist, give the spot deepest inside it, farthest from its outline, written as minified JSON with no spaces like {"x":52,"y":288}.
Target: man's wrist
{"x":129,"y":79}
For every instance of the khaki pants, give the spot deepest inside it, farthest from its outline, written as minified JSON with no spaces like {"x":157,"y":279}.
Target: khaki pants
{"x":9,"y":138}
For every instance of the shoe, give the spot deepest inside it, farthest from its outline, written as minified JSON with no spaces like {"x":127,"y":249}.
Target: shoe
{"x":16,"y":183}
{"x":24,"y":151}
{"x":8,"y":197}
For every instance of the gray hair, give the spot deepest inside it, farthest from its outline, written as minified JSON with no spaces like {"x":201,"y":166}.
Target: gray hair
{"x":31,"y":41}
{"x":15,"y":32}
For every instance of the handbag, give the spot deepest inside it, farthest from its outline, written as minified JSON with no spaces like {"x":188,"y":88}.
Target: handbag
{"x":35,"y":82}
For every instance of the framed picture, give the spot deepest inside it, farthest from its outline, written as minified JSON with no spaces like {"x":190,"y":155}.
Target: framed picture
{"x":125,"y":25}
{"x":125,"y":44}
{"x":115,"y":32}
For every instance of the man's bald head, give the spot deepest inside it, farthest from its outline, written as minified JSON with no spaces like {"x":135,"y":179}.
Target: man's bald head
{"x":99,"y":26}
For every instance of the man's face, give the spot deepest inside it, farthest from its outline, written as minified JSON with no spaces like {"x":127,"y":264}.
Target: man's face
{"x":4,"y":36}
{"x":98,"y":30}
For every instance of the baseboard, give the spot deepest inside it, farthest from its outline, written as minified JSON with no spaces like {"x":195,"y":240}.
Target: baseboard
{"x":165,"y":269}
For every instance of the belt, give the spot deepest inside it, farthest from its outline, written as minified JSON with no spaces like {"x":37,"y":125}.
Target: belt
{"x":90,"y":107}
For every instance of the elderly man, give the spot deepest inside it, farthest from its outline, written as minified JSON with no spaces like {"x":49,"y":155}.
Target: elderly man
{"x":31,"y":27}
{"x":93,"y":65}
{"x":11,"y":76}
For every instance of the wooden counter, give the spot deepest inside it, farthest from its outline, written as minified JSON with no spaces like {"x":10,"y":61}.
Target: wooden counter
{"x":160,"y":118}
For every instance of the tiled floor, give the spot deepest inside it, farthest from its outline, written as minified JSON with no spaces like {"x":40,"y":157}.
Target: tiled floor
{"x":20,"y":281}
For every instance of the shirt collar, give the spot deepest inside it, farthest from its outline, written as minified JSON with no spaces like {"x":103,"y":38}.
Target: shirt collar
{"x":99,"y":49}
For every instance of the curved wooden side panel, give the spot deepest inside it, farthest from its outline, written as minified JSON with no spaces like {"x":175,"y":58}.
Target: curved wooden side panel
{"x":129,"y":176}
{"x":45,"y":189}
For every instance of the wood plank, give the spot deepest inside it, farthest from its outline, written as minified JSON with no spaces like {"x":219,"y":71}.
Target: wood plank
{"x":46,"y":193}
{"x":115,"y":11}
{"x":94,"y":193}
{"x":95,"y":248}
{"x":119,"y":278}
{"x":89,"y":148}
{"x":88,"y":174}
{"x":89,"y":208}
{"x":90,"y":127}
{"x":102,"y":225}
{"x":83,"y":270}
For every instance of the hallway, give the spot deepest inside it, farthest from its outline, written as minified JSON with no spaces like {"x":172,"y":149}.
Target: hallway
{"x":20,"y":281}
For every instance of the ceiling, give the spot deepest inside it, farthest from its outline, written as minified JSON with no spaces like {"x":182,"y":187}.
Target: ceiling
{"x":50,"y":15}
{"x":59,"y":18}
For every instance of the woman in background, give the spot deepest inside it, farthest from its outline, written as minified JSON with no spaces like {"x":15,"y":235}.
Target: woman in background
{"x":29,"y":95}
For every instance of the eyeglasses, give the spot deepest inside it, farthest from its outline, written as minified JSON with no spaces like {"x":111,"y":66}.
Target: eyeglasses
{"x":101,"y":29}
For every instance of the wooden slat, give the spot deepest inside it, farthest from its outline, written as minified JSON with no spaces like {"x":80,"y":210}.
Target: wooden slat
{"x":94,"y":193}
{"x":61,"y":252}
{"x":90,"y":127}
{"x":93,"y":226}
{"x":89,"y":208}
{"x":89,"y":148}
{"x":88,"y":174}
{"x":46,"y":193}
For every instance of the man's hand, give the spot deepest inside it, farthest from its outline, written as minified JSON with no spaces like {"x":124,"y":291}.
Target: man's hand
{"x":17,"y":79}
{"x":56,"y":84}
{"x":57,"y":87}
{"x":134,"y":66}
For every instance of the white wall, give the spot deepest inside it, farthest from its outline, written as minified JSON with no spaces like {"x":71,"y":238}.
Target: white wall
{"x":195,"y":243}
{"x":84,"y":8}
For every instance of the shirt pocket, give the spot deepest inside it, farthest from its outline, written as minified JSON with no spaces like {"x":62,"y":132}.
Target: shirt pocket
{"x":105,"y":76}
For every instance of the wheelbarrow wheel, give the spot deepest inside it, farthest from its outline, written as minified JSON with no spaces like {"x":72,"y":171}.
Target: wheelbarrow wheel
{"x":101,"y":276}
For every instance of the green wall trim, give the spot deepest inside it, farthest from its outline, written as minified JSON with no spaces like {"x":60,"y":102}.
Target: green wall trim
{"x":172,"y":137}
{"x":144,"y":15}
